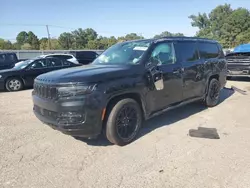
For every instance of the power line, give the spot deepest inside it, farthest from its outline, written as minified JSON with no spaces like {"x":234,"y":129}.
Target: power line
{"x":36,"y":25}
{"x":21,"y":24}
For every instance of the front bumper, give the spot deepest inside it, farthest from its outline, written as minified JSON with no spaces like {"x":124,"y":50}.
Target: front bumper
{"x":49,"y":112}
{"x":241,"y":73}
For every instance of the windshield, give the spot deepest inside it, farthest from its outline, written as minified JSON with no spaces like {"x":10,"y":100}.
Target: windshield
{"x":123,"y":53}
{"x":23,"y":64}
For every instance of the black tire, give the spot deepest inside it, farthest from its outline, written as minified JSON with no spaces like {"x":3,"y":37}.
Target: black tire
{"x":116,"y":134}
{"x":213,"y":93}
{"x":14,"y":84}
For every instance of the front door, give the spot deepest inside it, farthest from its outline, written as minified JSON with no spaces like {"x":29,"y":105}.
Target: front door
{"x":163,"y":54}
{"x":37,"y":68}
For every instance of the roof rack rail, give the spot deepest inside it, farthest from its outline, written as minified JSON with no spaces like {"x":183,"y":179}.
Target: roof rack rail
{"x":187,"y":38}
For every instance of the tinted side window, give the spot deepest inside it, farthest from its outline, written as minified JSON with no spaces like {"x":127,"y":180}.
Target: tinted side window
{"x":163,"y":54}
{"x":63,"y":56}
{"x":187,"y":51}
{"x":208,"y":50}
{"x":39,"y":64}
{"x":54,"y":62}
{"x":66,"y":63}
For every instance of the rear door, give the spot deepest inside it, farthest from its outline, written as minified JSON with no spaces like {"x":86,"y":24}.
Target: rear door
{"x":209,"y":53}
{"x":193,"y":66}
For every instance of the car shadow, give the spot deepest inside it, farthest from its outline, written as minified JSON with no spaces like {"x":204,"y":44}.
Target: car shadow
{"x":164,"y":119}
{"x":180,"y":113}
{"x":101,"y":140}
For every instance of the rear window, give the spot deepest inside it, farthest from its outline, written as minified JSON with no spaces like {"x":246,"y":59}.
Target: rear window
{"x":187,"y":51}
{"x":64,"y":57}
{"x":86,"y":55}
{"x":208,"y":50}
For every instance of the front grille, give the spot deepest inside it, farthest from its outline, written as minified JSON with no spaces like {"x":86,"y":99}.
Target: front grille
{"x":45,"y":91}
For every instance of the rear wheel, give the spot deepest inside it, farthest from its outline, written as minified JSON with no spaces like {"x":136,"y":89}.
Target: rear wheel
{"x":213,"y":93}
{"x":14,"y":84}
{"x":124,"y":122}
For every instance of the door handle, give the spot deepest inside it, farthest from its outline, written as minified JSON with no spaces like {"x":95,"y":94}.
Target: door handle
{"x":178,"y":71}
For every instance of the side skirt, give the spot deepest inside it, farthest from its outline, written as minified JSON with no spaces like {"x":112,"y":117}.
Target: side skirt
{"x":175,"y":106}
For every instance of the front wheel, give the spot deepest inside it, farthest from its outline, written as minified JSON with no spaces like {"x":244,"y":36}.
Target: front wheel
{"x":213,"y":93}
{"x":14,"y":84}
{"x":124,"y":122}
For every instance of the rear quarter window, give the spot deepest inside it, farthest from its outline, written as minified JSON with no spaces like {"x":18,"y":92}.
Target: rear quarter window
{"x":208,"y":50}
{"x":12,"y":57}
{"x":64,"y":57}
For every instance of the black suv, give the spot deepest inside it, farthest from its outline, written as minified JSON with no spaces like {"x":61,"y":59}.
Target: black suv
{"x":128,"y":83}
{"x":7,"y":60}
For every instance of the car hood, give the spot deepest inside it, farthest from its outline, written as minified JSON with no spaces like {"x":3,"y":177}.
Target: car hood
{"x":90,"y":73}
{"x":8,"y":71}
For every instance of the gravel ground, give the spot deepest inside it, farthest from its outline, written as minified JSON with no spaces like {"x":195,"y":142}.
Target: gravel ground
{"x":164,"y":155}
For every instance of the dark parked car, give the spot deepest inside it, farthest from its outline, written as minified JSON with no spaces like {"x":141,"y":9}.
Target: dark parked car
{"x":24,"y":72}
{"x":130,"y":82}
{"x":85,"y":57}
{"x":7,"y":60}
{"x":239,"y":62}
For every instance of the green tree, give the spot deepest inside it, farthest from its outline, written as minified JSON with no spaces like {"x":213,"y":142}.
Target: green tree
{"x":201,"y":21}
{"x":93,"y":44}
{"x":33,"y":40}
{"x":230,"y":27}
{"x":168,"y":34}
{"x":55,"y":45}
{"x":44,"y":43}
{"x":5,"y":45}
{"x":26,"y":46}
{"x":22,"y":38}
{"x":66,"y":40}
{"x":133,"y":36}
{"x":81,"y":37}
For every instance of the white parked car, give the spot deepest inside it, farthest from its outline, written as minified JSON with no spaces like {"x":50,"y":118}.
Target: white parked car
{"x":68,"y":57}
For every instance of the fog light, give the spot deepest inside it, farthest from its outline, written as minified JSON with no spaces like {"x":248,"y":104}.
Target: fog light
{"x":71,"y":118}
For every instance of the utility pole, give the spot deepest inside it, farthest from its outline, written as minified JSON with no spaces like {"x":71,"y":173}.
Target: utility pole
{"x":48,"y":36}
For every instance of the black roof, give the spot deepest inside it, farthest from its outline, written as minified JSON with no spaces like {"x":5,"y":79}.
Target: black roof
{"x":7,"y":53}
{"x":187,"y":39}
{"x":177,"y":39}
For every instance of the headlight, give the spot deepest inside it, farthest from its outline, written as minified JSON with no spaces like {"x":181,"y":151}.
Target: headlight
{"x":75,"y":90}
{"x":1,"y":76}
